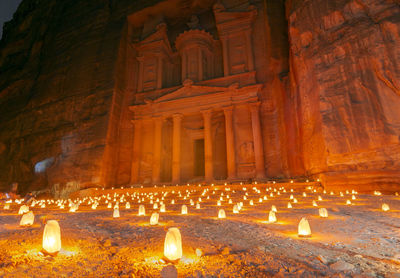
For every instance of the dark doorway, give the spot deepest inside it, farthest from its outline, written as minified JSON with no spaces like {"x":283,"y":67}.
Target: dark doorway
{"x":198,"y":158}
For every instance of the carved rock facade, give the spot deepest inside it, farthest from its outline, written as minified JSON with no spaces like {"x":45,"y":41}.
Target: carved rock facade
{"x":124,"y":92}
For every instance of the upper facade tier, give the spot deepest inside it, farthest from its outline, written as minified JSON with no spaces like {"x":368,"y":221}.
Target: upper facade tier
{"x":196,"y":54}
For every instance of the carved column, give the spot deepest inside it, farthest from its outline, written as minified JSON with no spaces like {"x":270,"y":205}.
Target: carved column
{"x":140,"y":77}
{"x":225,"y":56}
{"x":250,"y":57}
{"x":257,"y":139}
{"x":159,"y":72}
{"x":184,"y":67}
{"x":137,"y":141}
{"x":230,"y":143}
{"x":208,"y":154}
{"x":176,"y":148}
{"x":200,"y":65}
{"x":157,"y":149}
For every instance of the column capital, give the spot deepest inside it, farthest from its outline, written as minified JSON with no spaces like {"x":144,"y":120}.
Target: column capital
{"x":158,"y":118}
{"x":227,"y":109}
{"x":136,"y":121}
{"x":254,"y":106}
{"x":177,"y":116}
{"x":206,"y":113}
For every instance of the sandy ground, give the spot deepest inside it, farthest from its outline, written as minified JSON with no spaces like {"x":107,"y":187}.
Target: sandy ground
{"x":358,"y":240}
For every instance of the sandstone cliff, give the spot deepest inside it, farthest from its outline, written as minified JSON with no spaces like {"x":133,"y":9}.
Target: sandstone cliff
{"x":330,"y":107}
{"x":57,"y":68}
{"x":345,"y":73}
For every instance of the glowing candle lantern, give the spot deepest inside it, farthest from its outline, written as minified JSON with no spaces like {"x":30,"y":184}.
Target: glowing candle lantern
{"x":251,"y":202}
{"x":341,"y":194}
{"x":244,"y":198}
{"x":291,"y":197}
{"x":230,"y":201}
{"x":319,"y":198}
{"x":289,"y":205}
{"x":23,"y":209}
{"x":304,"y":229}
{"x":219,"y":203}
{"x":273,"y":208}
{"x":116,"y":213}
{"x":199,"y":252}
{"x":172,"y":202}
{"x":184,"y":209}
{"x":154,"y":218}
{"x":295,"y":200}
{"x":323,"y":212}
{"x":385,"y":207}
{"x":127,"y":205}
{"x":348,"y":202}
{"x":304,"y":194}
{"x":142,"y":210}
{"x":162,"y":208}
{"x":155,"y":206}
{"x":235,"y":209}
{"x":73,"y":208}
{"x":221,"y":213}
{"x":173,"y":245}
{"x":6,"y":206}
{"x":271,"y":217}
{"x":260,"y":200}
{"x":27,"y":219}
{"x":109,"y":205}
{"x":314,"y":203}
{"x":198,"y":206}
{"x":353,"y":197}
{"x":52,"y":237}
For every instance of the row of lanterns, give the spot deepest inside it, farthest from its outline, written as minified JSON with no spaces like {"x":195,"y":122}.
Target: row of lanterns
{"x":173,"y":241}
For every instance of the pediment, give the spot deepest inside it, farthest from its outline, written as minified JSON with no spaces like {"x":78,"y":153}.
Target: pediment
{"x":159,"y":37}
{"x":191,"y":91}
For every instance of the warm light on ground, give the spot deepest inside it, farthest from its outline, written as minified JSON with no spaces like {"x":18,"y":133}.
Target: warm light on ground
{"x":93,"y":239}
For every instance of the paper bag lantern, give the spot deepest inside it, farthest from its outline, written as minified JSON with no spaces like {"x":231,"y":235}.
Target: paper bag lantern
{"x":52,"y":237}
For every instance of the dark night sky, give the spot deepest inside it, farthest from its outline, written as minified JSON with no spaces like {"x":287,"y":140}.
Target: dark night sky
{"x":7,"y":9}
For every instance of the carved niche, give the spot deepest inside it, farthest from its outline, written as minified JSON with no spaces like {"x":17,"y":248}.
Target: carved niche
{"x":235,"y":29}
{"x":155,"y":60}
{"x":196,"y":48}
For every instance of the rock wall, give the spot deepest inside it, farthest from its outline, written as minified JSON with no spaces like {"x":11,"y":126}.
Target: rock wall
{"x":57,"y":66}
{"x":330,"y":106}
{"x":345,"y":72}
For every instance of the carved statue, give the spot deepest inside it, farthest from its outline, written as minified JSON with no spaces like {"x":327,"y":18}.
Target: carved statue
{"x":194,"y":22}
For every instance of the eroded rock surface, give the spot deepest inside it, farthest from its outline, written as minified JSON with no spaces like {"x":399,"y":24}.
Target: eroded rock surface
{"x":329,"y":105}
{"x":345,"y":82}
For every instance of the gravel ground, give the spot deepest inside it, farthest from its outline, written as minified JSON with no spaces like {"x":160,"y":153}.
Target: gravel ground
{"x":358,"y":240}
